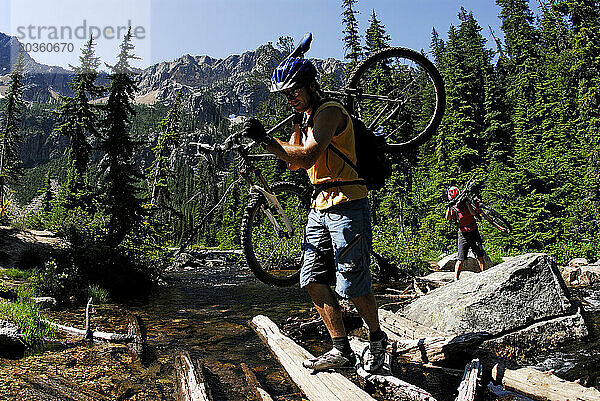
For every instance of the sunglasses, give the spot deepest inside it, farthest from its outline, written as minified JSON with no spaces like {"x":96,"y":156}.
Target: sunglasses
{"x":291,"y":93}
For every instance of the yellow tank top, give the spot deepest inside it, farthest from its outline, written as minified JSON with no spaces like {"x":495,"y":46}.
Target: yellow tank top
{"x":331,"y":167}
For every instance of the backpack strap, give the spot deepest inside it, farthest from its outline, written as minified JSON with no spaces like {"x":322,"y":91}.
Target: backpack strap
{"x":318,"y":188}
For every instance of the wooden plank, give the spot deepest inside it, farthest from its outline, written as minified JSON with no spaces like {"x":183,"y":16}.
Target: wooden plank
{"x":468,"y":386}
{"x":322,"y":386}
{"x":395,"y":387}
{"x":190,"y":382}
{"x":259,"y":392}
{"x":542,"y":385}
{"x":398,"y":327}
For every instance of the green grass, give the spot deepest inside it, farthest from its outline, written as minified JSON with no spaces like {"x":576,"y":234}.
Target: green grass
{"x":16,"y":273}
{"x":98,"y":294}
{"x":27,"y":315}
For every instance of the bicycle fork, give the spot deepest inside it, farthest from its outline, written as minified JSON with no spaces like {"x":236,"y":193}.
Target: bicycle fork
{"x":288,"y":230}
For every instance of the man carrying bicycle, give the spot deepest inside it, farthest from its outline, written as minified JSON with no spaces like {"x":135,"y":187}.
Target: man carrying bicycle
{"x":338,"y":232}
{"x":468,"y":232}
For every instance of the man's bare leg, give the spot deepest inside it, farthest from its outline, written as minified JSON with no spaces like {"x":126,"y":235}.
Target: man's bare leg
{"x":328,"y":307}
{"x":367,"y":309}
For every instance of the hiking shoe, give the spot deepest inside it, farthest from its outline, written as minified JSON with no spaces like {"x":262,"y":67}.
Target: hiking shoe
{"x":329,"y":360}
{"x":374,"y":356}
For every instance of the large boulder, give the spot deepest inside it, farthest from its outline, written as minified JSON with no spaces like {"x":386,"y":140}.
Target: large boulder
{"x":523,"y":302}
{"x":10,"y":339}
{"x":577,"y":275}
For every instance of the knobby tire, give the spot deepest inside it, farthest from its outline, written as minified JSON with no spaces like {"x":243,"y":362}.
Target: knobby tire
{"x":274,"y":260}
{"x":423,"y":68}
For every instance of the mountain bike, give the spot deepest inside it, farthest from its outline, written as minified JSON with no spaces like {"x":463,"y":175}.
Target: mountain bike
{"x":396,"y":92}
{"x":481,"y":208}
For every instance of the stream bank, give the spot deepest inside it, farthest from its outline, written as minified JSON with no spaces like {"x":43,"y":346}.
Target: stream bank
{"x":204,"y":309}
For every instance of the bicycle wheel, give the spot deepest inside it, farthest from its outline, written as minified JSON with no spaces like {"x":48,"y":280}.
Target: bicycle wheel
{"x":494,"y":217}
{"x":400,"y":93}
{"x":275,"y":259}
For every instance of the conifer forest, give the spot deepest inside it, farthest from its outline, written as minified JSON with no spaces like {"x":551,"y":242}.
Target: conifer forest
{"x":522,"y":116}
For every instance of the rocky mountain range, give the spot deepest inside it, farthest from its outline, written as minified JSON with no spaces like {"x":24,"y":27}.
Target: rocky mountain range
{"x":234,"y":85}
{"x":214,"y":88}
{"x":42,"y":82}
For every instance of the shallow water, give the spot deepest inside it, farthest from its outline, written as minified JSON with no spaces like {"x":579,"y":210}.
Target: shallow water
{"x":205,"y":310}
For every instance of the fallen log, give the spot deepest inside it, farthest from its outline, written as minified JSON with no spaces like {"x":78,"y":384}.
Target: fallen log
{"x":467,"y":390}
{"x":436,"y":349}
{"x":394,"y":386}
{"x":395,"y":297}
{"x":190,"y":382}
{"x":96,"y":335}
{"x":527,"y":381}
{"x":541,"y":385}
{"x":260,"y":394}
{"x":323,"y":386}
{"x":134,"y":330}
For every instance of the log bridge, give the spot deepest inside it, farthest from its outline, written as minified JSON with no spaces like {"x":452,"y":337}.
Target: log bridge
{"x":414,"y":343}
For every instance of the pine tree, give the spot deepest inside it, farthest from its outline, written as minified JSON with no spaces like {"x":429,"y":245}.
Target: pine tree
{"x":10,"y":126}
{"x":467,"y":63}
{"x":167,"y":144}
{"x":583,"y":57}
{"x":438,"y":48}
{"x":120,"y":180}
{"x":76,"y":117}
{"x":351,"y":34}
{"x":47,"y":195}
{"x":376,"y":37}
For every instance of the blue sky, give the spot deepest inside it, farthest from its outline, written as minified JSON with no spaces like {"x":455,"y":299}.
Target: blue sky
{"x":222,"y":27}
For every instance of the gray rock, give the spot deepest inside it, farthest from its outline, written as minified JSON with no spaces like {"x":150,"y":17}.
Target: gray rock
{"x":508,"y":298}
{"x":570,"y":274}
{"x":448,"y":262}
{"x":10,"y":338}
{"x":578,"y":262}
{"x":46,"y":302}
{"x":590,"y":275}
{"x":553,"y":332}
{"x":580,"y":275}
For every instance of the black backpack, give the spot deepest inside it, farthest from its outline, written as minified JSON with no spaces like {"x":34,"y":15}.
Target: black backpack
{"x":372,"y":164}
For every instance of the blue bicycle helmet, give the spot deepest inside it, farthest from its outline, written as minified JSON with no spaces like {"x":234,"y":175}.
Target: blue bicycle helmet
{"x":292,"y":73}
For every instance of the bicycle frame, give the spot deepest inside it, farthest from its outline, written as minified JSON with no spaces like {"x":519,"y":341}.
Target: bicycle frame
{"x":253,"y":177}
{"x":478,"y":206}
{"x":250,"y":170}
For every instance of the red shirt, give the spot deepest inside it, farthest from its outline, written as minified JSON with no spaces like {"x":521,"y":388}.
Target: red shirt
{"x":466,"y":220}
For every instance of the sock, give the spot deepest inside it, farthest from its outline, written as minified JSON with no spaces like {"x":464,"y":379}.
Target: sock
{"x":342,"y":344}
{"x":376,"y":335}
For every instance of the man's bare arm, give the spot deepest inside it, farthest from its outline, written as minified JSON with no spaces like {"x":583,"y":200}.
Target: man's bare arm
{"x":305,"y":156}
